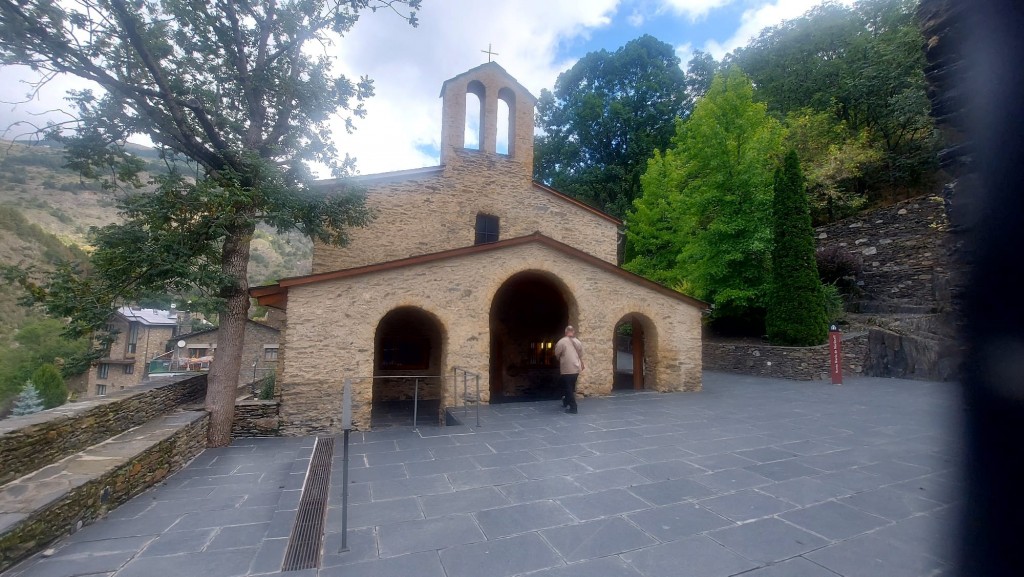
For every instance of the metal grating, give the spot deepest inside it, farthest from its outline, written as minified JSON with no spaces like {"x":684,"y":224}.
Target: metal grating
{"x":307,"y":533}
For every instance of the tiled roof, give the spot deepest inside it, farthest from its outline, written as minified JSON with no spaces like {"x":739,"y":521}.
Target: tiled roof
{"x":152,"y":317}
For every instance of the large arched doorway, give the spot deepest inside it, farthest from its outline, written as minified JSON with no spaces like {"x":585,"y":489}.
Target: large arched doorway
{"x":632,"y":344}
{"x":528,"y":316}
{"x":407,"y":364}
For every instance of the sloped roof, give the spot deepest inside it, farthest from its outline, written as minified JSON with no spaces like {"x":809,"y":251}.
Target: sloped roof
{"x":151,"y":317}
{"x":276,"y":295}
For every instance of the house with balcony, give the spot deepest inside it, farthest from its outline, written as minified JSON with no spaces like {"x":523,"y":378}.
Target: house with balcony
{"x":141,"y":335}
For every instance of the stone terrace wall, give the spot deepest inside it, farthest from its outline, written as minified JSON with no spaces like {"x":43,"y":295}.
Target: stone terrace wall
{"x":904,"y":254}
{"x":256,"y":418}
{"x":797,"y":363}
{"x":31,"y":442}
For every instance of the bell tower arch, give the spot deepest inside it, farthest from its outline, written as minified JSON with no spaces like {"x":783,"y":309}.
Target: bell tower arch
{"x":490,"y":83}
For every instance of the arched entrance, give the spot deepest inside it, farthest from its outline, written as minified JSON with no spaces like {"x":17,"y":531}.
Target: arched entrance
{"x":528,"y":316}
{"x":632,"y":343}
{"x":408,"y":350}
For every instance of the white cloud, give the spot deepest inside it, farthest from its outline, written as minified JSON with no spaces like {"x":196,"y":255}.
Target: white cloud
{"x":636,"y":19}
{"x":694,"y":9}
{"x":685,"y":53}
{"x":757,"y":18}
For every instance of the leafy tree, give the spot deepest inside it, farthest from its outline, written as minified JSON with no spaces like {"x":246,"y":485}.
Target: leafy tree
{"x":700,"y":70}
{"x":707,"y":201}
{"x":28,"y":401}
{"x":796,"y":304}
{"x":236,"y":89}
{"x":604,"y":120}
{"x":39,"y":342}
{"x":50,"y":385}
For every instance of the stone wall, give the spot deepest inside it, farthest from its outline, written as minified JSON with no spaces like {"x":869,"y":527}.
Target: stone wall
{"x":254,"y":343}
{"x":797,"y":363}
{"x":437,"y":211}
{"x":459,"y":293}
{"x":904,"y":254}
{"x":256,"y":418}
{"x":104,"y":492}
{"x":30,"y":442}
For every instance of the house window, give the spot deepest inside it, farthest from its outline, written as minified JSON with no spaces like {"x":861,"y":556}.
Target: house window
{"x":133,"y":337}
{"x":196,"y":352}
{"x":270,"y":354}
{"x":103,"y":370}
{"x":129,"y":369}
{"x":486,"y":228}
{"x":405,"y":353}
{"x":101,"y":390}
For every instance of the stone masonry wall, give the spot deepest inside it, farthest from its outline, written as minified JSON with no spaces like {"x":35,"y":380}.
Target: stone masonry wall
{"x":256,"y":336}
{"x":902,"y":247}
{"x":459,"y":293}
{"x":437,"y":212}
{"x":30,"y":442}
{"x":91,"y":500}
{"x":797,"y":363}
{"x":256,"y":418}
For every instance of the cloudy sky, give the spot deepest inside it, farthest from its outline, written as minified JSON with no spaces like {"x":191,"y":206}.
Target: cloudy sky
{"x":534,"y":40}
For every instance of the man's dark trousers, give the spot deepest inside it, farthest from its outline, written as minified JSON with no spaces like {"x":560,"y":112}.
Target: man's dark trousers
{"x":569,"y":389}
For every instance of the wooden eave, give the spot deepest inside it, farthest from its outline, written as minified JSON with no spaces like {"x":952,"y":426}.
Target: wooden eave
{"x":277,"y":295}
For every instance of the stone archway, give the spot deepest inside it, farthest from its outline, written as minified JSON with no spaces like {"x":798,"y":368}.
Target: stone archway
{"x":408,"y":350}
{"x":528,"y":316}
{"x":633,"y":343}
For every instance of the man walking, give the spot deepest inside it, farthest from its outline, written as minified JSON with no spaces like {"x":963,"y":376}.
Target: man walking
{"x":569,"y":351}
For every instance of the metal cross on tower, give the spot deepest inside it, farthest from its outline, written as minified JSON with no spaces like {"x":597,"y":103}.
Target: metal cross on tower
{"x":488,"y":52}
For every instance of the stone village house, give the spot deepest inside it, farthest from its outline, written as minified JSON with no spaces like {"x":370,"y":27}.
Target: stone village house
{"x":259,"y":350}
{"x":471,"y":265}
{"x":141,"y":335}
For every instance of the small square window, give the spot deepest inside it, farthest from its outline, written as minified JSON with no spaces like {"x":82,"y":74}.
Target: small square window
{"x":103,"y":370}
{"x":486,"y":228}
{"x":101,"y":390}
{"x":270,"y":354}
{"x":129,"y":369}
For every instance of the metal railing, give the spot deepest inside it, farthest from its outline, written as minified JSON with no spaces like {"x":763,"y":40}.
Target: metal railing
{"x":417,"y":381}
{"x":466,"y":377}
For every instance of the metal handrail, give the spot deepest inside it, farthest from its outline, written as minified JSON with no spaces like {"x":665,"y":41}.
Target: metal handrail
{"x":466,"y":374}
{"x":416,"y":391}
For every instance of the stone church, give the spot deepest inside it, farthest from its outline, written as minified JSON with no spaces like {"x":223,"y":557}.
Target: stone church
{"x":466,"y":278}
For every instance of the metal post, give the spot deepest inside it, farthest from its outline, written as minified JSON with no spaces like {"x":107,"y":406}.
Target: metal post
{"x":465,"y":409}
{"x":478,"y":399}
{"x":415,"y":403}
{"x":346,"y":424}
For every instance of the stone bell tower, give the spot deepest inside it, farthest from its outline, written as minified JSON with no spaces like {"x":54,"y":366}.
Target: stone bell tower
{"x":491,"y":84}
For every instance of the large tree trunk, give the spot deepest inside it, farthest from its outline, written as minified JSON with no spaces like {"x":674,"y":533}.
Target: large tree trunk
{"x":223,"y":379}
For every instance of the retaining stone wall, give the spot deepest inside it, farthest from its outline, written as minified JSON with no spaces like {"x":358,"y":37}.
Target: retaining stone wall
{"x":797,"y":363}
{"x":95,"y":498}
{"x":256,"y":418}
{"x":31,"y":442}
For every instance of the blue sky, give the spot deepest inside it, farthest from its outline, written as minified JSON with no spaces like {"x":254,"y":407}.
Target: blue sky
{"x":535,"y":41}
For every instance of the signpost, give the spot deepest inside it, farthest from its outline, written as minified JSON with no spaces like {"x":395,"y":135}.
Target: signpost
{"x":835,"y":354}
{"x":346,"y":426}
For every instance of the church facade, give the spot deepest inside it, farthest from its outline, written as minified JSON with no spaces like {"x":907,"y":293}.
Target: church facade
{"x":465,"y":278}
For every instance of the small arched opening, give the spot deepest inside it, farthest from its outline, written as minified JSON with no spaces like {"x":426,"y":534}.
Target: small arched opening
{"x":475,"y":93}
{"x":506,"y":122}
{"x":528,"y":316}
{"x":632,"y":346}
{"x":408,"y":356}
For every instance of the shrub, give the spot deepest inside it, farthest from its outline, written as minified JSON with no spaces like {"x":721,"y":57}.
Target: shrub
{"x":834,"y":310}
{"x":838,"y":266}
{"x":267,"y":385}
{"x":51,"y":386}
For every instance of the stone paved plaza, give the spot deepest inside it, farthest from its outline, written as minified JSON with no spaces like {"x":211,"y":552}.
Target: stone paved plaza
{"x":754,"y":477}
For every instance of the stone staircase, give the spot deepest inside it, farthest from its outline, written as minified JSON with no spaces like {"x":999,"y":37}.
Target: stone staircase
{"x":63,"y":468}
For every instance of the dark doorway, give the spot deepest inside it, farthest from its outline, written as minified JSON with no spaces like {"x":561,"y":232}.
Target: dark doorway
{"x":408,"y":347}
{"x":629,"y":350}
{"x":528,"y":316}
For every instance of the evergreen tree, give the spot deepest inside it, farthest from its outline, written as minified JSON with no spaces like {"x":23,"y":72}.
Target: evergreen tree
{"x":796,"y":305}
{"x":50,"y":385}
{"x":28,"y":401}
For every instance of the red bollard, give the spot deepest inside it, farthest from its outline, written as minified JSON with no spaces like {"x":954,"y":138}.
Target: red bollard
{"x":835,"y":354}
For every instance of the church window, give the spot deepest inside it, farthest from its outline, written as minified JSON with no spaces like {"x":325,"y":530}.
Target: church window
{"x":486,"y":228}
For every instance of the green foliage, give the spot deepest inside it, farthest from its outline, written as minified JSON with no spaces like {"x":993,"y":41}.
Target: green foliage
{"x":796,"y":306}
{"x":50,"y":385}
{"x":37,"y":343}
{"x":54,"y":250}
{"x":702,"y":224}
{"x":839,"y":267}
{"x":606,"y":117}
{"x":266,"y":387}
{"x":834,"y":306}
{"x":28,"y":401}
{"x":863,"y":66}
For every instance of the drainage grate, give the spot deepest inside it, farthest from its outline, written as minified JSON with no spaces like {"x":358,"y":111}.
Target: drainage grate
{"x":307,"y":533}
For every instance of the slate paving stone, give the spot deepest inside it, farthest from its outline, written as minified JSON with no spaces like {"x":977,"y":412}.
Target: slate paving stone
{"x":427,"y":535}
{"x":854,"y":479}
{"x":795,"y":567}
{"x":594,"y":539}
{"x":923,"y":534}
{"x":484,"y":477}
{"x":834,"y":520}
{"x":602,"y":504}
{"x":720,"y":462}
{"x":269,"y":556}
{"x":225,"y":518}
{"x":238,"y":536}
{"x":515,"y":519}
{"x":783,"y":470}
{"x":561,"y":452}
{"x":497,"y":558}
{"x":504,"y":459}
{"x":745,"y":505}
{"x":466,"y":501}
{"x":362,"y":546}
{"x":548,"y":469}
{"x":674,"y":522}
{"x":605,"y":462}
{"x":669,"y":492}
{"x":440,"y":466}
{"x":870,"y":556}
{"x":660,"y":454}
{"x":175,"y":542}
{"x":890,"y":503}
{"x":933,"y":487}
{"x":767,"y":540}
{"x":393,"y":457}
{"x":409,"y":487}
{"x":766,"y":454}
{"x":121,"y":544}
{"x":77,"y":565}
{"x":604,"y":567}
{"x":138,"y":526}
{"x":804,"y":491}
{"x":732,"y":480}
{"x":225,"y":563}
{"x":377,"y":513}
{"x":425,"y":564}
{"x":609,"y":479}
{"x":541,"y":489}
{"x":668,"y":470}
{"x":381,"y":473}
{"x":694,"y":557}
